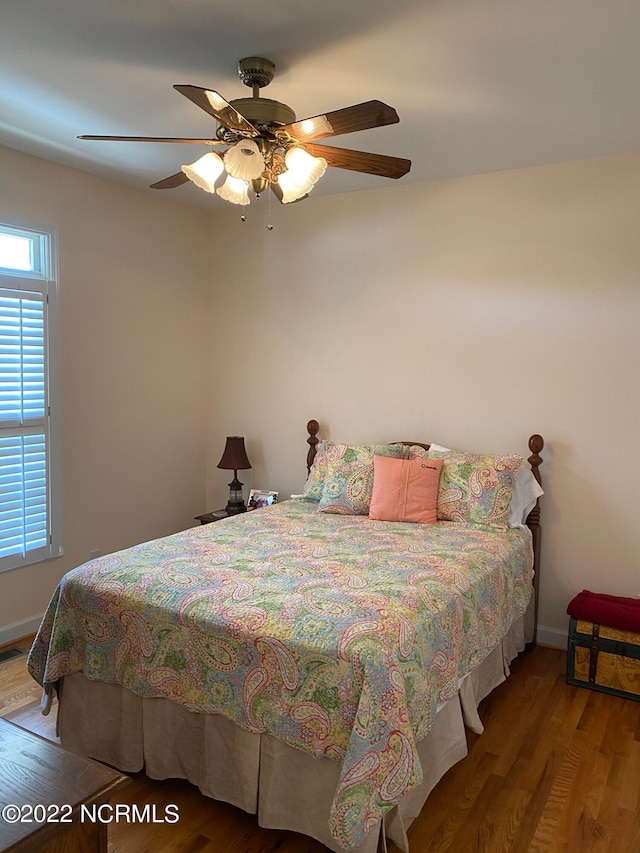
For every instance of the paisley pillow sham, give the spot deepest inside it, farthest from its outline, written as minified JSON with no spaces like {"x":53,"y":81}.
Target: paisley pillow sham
{"x":477,"y":489}
{"x":348,"y":482}
{"x":315,"y":481}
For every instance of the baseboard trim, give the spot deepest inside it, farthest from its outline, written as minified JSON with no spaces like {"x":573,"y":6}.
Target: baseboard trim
{"x":18,"y":630}
{"x":553,"y":637}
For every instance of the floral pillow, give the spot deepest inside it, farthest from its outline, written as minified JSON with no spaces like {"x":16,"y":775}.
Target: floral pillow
{"x":315,"y":481}
{"x":348,"y":481}
{"x":477,"y":489}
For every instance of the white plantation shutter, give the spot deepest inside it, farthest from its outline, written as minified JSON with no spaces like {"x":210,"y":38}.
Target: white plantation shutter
{"x":23,"y":439}
{"x":22,"y":358}
{"x":27,"y":529}
{"x":23,"y":496}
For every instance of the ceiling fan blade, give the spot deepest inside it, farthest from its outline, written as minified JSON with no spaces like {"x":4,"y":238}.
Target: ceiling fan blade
{"x":214,"y":104}
{"x":189,"y":141}
{"x":361,"y":161}
{"x":346,"y":120}
{"x":170,"y":182}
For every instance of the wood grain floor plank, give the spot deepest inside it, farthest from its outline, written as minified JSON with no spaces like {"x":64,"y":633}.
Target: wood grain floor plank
{"x":630,"y":778}
{"x":440,"y":824}
{"x":493,"y":819}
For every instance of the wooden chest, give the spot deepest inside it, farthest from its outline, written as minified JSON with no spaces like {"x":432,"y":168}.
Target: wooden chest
{"x":45,"y":789}
{"x":604,"y":659}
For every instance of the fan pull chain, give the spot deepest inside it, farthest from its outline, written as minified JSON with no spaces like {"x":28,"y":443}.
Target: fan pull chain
{"x":269,"y":225}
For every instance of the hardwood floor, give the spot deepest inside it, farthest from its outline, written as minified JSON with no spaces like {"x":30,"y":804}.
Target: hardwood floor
{"x":557,"y":770}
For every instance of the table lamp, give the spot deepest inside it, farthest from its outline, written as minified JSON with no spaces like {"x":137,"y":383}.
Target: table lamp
{"x":233,"y":459}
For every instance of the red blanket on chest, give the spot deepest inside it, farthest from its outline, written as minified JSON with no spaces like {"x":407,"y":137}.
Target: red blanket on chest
{"x":610,"y":610}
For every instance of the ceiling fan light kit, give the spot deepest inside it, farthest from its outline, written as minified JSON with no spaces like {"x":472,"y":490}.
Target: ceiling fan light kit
{"x":267,"y":147}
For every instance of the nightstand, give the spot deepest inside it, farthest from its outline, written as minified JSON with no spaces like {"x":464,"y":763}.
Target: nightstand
{"x":208,"y":517}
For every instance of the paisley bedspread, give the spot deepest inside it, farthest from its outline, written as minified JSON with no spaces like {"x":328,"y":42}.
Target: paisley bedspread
{"x":337,"y":634}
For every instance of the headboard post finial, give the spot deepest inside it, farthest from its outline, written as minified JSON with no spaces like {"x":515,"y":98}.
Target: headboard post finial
{"x":313,"y":428}
{"x":536,"y":443}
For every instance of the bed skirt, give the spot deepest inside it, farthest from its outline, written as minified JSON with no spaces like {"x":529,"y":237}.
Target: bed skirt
{"x":287,"y":788}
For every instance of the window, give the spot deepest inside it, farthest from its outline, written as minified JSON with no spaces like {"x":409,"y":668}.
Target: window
{"x":30,"y":487}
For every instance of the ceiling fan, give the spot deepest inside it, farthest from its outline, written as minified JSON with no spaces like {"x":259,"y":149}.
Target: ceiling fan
{"x":267,"y":147}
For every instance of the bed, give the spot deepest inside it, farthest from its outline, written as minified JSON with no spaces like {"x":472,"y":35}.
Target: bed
{"x":307,"y":662}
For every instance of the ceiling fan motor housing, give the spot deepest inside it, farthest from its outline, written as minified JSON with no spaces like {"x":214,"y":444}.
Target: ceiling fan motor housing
{"x":264,"y":111}
{"x":257,"y":72}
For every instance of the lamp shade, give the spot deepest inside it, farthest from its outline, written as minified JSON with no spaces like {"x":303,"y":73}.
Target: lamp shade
{"x":235,"y":456}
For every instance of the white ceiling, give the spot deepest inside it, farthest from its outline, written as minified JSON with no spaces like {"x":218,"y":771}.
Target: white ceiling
{"x":479,"y":85}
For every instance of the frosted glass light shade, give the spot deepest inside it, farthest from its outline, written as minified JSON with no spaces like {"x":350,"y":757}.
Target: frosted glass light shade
{"x":306,"y":169}
{"x":303,"y":171}
{"x":244,"y":160}
{"x":234,"y":190}
{"x":205,"y":171}
{"x":291,"y":190}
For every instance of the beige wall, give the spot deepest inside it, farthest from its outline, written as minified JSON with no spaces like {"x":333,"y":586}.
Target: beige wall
{"x":135,"y":361}
{"x":470,"y":312}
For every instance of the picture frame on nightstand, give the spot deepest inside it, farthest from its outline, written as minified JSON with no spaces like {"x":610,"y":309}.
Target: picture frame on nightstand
{"x":261,"y":497}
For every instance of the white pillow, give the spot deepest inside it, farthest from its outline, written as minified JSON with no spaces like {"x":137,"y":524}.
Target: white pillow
{"x":526,"y":491}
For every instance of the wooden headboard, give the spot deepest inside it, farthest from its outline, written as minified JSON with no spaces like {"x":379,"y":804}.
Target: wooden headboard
{"x":536,"y":443}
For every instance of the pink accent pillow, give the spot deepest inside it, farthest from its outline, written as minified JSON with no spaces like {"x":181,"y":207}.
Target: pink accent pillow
{"x":405,"y":489}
